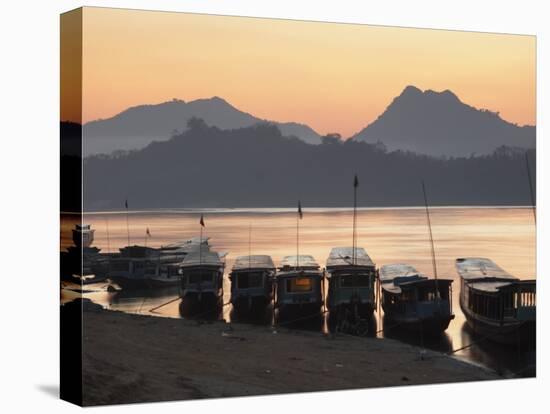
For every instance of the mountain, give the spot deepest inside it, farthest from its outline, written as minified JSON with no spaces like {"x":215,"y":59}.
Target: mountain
{"x":258,"y":167}
{"x":439,"y":124}
{"x":138,"y":126}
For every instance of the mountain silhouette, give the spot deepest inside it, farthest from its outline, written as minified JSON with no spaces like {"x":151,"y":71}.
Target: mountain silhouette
{"x":259,"y":167}
{"x":439,"y":124}
{"x":138,"y":126}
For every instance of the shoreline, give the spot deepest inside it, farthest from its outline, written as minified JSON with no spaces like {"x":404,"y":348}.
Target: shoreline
{"x":140,"y":358}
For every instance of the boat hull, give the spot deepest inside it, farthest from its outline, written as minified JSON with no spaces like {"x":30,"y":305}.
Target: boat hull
{"x":431,"y":325}
{"x":143,"y":283}
{"x":250,"y":304}
{"x":508,"y":333}
{"x":204,"y":304}
{"x":289,"y":311}
{"x":360,"y":310}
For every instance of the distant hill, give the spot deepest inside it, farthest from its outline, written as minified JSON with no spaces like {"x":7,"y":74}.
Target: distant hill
{"x":439,"y":124}
{"x":258,"y":167}
{"x":136,"y":127}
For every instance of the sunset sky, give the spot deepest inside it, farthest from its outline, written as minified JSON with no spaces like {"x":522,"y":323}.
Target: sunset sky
{"x":333,"y":77}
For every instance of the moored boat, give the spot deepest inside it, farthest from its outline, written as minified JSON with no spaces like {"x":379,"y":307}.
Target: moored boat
{"x":138,"y":267}
{"x":252,"y":283}
{"x":351,"y":283}
{"x":201,"y":287}
{"x":496,"y":304}
{"x":299,"y":286}
{"x":411,"y":300}
{"x":147,"y":267}
{"x":83,"y":263}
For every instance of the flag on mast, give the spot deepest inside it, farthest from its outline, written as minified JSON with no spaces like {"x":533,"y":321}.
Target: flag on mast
{"x":126,"y":204}
{"x":202,"y":221}
{"x":355,"y":181}
{"x":148,"y":232}
{"x":300,"y":214}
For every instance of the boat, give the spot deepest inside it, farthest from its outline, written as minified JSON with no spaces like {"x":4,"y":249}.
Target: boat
{"x":412,"y":300}
{"x":351,"y":278}
{"x":298,"y":283}
{"x":252,"y":282}
{"x":496,"y":304}
{"x":83,"y":235}
{"x":201,"y":286}
{"x":138,"y":267}
{"x":82,"y":263}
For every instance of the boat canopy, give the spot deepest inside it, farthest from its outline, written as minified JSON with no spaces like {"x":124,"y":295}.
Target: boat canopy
{"x":202,"y":257}
{"x":402,"y":272}
{"x":193,"y":241}
{"x":342,"y":258}
{"x":479,"y":268}
{"x":298,"y":273}
{"x":392,"y":276}
{"x":302,"y":262}
{"x":489,"y":287}
{"x":253,"y":262}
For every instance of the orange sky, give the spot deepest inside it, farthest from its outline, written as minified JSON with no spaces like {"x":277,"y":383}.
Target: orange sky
{"x":333,"y":77}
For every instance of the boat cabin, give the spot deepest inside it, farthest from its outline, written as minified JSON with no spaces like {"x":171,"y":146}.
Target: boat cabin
{"x":252,"y":282}
{"x":83,"y":235}
{"x":411,"y":298}
{"x":140,"y":266}
{"x":202,"y":277}
{"x":488,"y":291}
{"x":299,"y":284}
{"x":351,"y":275}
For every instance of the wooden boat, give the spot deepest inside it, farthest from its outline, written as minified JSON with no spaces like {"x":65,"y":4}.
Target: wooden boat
{"x":411,"y":300}
{"x":298,"y":286}
{"x":147,"y":267}
{"x":252,"y":282}
{"x":138,"y":267}
{"x":351,"y":282}
{"x":496,"y":304}
{"x":201,"y":287}
{"x":82,"y":263}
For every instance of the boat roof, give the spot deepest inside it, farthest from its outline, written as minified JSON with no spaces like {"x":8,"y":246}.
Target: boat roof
{"x":402,"y":271}
{"x":185,"y":243}
{"x":253,"y":262}
{"x":301,"y":262}
{"x":342,"y":257}
{"x":299,"y":273}
{"x":394,"y":275}
{"x":476,"y":268}
{"x":202,"y":257}
{"x":399,"y":284}
{"x":490,"y":286}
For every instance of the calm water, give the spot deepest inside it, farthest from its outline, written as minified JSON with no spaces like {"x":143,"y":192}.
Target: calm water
{"x":506,"y":235}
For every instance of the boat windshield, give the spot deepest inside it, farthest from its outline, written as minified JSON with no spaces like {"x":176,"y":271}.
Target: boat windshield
{"x":200,"y":276}
{"x":249,"y":280}
{"x":299,"y":284}
{"x":349,"y":281}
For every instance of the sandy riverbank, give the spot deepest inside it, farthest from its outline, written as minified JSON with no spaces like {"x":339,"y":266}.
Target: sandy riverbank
{"x":131,"y":358}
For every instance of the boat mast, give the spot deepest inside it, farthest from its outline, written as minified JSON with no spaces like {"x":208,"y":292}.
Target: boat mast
{"x":127,"y":221}
{"x":354,"y":254}
{"x":431,"y":239}
{"x":200,"y":239}
{"x":298,"y":218}
{"x":108,"y":239}
{"x":533,"y":202}
{"x":249,"y":245}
